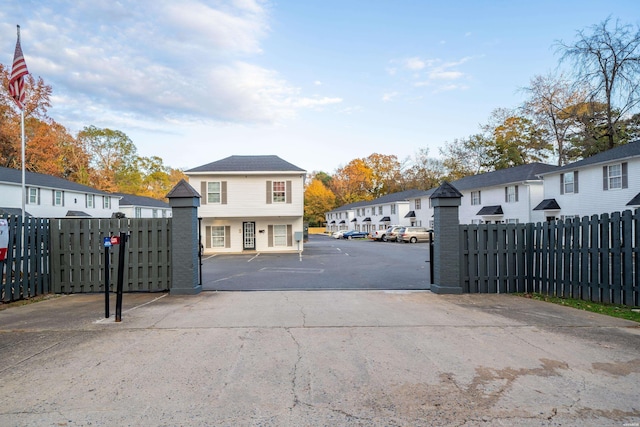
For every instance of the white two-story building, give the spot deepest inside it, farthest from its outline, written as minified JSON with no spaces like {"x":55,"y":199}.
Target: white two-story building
{"x":604,"y":183}
{"x":52,"y":197}
{"x":143,"y":207}
{"x":372,"y":215}
{"x":250,"y":203}
{"x":502,"y":196}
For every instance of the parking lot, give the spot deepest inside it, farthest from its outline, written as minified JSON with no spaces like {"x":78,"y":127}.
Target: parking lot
{"x":325,"y":264}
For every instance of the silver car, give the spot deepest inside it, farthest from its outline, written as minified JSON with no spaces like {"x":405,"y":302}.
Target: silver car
{"x":414,"y":234}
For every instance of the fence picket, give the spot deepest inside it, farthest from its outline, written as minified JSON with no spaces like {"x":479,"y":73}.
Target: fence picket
{"x":78,"y":250}
{"x":594,"y":258}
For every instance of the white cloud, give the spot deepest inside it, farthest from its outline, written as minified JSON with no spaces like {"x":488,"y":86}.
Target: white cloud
{"x":423,"y":72}
{"x":445,"y":75}
{"x":415,"y":64}
{"x":144,"y":60}
{"x":389,"y":96}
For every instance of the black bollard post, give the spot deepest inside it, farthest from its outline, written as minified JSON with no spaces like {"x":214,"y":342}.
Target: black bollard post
{"x":123,"y":239}
{"x":106,"y":278}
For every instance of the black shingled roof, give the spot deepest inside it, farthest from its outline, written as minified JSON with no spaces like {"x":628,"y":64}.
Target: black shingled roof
{"x":131,"y":200}
{"x":33,"y":179}
{"x":512,"y":175}
{"x":248,"y":164}
{"x":631,"y":149}
{"x":635,"y":201}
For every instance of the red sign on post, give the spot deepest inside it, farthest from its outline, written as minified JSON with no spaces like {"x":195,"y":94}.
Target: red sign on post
{"x":115,"y":240}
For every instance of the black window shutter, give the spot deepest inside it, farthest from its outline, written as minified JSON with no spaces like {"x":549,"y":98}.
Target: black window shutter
{"x":605,"y":178}
{"x":506,"y":194}
{"x":625,"y":178}
{"x":575,"y":182}
{"x":516,"y":193}
{"x":561,"y":183}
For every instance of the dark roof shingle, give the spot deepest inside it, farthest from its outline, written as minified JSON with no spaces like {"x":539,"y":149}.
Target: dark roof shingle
{"x":632,"y":149}
{"x":41,"y":180}
{"x":132,"y":200}
{"x":528,"y":172}
{"x":248,"y":164}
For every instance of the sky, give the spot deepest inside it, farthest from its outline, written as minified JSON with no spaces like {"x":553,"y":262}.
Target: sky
{"x":317,"y":82}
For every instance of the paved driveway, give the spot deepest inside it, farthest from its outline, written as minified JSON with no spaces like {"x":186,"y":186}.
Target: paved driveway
{"x":326,"y":263}
{"x":323,"y":358}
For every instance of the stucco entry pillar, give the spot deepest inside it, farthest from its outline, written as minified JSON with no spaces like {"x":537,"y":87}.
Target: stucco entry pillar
{"x":446,"y":224}
{"x":184,"y":201}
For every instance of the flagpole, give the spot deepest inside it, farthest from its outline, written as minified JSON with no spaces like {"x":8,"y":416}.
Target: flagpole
{"x":24,"y":189}
{"x":16,"y":90}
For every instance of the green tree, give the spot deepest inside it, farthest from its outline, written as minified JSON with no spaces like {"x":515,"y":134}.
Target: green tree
{"x":424,"y":172}
{"x":465,"y":157}
{"x":386,"y":175}
{"x":112,"y":159}
{"x":517,"y":141}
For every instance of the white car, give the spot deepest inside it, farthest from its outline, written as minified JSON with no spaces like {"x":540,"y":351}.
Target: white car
{"x":383,"y":235}
{"x":338,"y":234}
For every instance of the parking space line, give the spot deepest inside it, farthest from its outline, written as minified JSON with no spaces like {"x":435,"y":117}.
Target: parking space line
{"x":252,"y":258}
{"x":209,"y":257}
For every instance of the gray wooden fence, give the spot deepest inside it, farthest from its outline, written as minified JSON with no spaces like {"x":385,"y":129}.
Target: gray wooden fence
{"x":594,"y":258}
{"x":25,"y":272}
{"x":78,"y":252}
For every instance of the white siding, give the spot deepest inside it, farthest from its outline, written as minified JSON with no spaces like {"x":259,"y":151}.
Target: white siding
{"x":246,"y":196}
{"x":529,"y":195}
{"x":246,"y":201}
{"x":591,"y":198}
{"x":11,"y":196}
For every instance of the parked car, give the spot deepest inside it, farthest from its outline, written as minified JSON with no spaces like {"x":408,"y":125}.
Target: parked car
{"x":380,"y":235}
{"x":392,"y":234}
{"x":338,"y":234}
{"x":414,"y":234}
{"x":353,"y":234}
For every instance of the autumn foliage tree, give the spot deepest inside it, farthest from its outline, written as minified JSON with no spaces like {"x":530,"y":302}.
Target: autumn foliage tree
{"x":318,"y":199}
{"x":353,"y":182}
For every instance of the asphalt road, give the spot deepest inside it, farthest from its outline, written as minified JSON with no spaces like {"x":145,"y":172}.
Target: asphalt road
{"x":325,"y":264}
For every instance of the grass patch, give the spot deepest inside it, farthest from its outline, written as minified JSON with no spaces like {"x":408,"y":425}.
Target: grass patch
{"x":613,"y":310}
{"x":5,"y":305}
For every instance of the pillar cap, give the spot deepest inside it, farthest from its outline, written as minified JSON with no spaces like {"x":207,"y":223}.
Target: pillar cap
{"x":446,"y":191}
{"x":182,"y":190}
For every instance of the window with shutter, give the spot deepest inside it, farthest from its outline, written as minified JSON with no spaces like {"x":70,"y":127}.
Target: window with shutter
{"x":613,"y":176}
{"x":568,"y":186}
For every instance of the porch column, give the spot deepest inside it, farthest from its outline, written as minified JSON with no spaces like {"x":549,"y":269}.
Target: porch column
{"x":446,"y":257}
{"x":185,"y":277}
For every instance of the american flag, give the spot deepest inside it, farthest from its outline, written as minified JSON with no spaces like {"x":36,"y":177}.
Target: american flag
{"x":19,"y":70}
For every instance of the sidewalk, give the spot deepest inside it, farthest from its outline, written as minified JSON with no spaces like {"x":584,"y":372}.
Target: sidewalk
{"x":346,"y":358}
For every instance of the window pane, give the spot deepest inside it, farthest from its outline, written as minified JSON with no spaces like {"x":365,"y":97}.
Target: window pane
{"x":217,"y":236}
{"x":615,"y":176}
{"x":213,"y":192}
{"x":279,"y":195}
{"x":280,"y":235}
